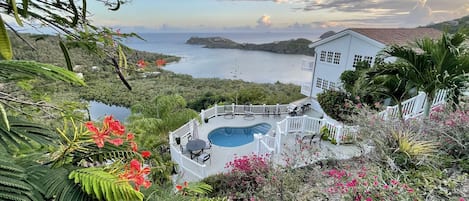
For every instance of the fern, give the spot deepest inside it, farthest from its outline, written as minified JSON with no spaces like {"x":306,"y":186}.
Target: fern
{"x":23,"y":133}
{"x":107,"y":153}
{"x":14,"y":184}
{"x":61,"y":188}
{"x":103,"y":185}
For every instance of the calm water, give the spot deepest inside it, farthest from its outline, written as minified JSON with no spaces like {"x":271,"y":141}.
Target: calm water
{"x":99,"y":110}
{"x":237,"y":136}
{"x":253,"y":66}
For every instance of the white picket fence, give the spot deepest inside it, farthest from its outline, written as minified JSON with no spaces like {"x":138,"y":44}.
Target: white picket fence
{"x":270,"y":144}
{"x":414,"y":106}
{"x":265,"y":145}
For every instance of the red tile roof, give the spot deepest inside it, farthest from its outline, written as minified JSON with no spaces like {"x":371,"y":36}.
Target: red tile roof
{"x":398,"y":36}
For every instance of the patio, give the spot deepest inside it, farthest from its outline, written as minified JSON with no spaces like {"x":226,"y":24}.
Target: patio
{"x":292,"y":149}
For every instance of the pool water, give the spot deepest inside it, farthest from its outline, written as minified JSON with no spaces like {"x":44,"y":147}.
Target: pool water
{"x":237,"y":136}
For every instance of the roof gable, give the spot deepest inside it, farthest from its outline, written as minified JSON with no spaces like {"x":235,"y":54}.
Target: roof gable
{"x":383,"y":37}
{"x":398,"y":36}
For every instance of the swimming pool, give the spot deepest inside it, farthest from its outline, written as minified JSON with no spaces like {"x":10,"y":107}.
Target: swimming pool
{"x":237,"y":136}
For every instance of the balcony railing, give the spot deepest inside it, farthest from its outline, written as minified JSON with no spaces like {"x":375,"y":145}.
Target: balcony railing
{"x":307,"y":65}
{"x":306,"y":88}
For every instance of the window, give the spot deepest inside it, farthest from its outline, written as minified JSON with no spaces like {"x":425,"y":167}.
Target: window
{"x":337,"y":58}
{"x":329,"y":57}
{"x":319,"y":83}
{"x":323,"y":56}
{"x":357,"y":59}
{"x":325,"y":84}
{"x":368,"y":59}
{"x":331,"y":85}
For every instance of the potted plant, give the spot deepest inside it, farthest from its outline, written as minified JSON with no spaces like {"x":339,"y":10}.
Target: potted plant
{"x":324,"y":131}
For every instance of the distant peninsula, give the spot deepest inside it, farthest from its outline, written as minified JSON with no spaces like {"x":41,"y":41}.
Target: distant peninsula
{"x":294,"y":46}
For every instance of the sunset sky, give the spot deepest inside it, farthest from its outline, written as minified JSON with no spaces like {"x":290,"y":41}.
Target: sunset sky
{"x":275,"y":15}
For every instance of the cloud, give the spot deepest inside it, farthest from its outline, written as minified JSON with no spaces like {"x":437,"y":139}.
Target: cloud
{"x":420,"y":14}
{"x":264,"y":22}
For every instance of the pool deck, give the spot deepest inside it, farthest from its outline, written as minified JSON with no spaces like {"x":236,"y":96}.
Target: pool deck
{"x":295,"y":152}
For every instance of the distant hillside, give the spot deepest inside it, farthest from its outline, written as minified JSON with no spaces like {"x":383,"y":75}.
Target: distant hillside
{"x":294,"y":46}
{"x":453,"y":25}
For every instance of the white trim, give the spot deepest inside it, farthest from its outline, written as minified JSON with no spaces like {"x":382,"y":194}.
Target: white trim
{"x":345,"y":33}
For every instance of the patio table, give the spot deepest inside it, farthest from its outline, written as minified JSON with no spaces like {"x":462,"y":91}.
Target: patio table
{"x":195,"y":145}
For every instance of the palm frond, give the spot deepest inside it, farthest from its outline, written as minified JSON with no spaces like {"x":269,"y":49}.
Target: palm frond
{"x":103,"y":185}
{"x":14,"y":69}
{"x":24,"y":133}
{"x":110,"y":152}
{"x":61,"y":188}
{"x":6,"y":51}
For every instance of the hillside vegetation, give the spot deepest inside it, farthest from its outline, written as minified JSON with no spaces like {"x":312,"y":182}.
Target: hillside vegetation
{"x":452,"y":26}
{"x":293,"y":46}
{"x":104,"y":86}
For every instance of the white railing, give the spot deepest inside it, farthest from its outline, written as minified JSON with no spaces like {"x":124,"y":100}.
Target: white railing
{"x":306,"y":88}
{"x":413,"y":107}
{"x":265,"y":145}
{"x":194,"y":169}
{"x":290,"y":125}
{"x":307,"y":65}
{"x":220,"y":110}
{"x":189,"y":167}
{"x":305,"y":124}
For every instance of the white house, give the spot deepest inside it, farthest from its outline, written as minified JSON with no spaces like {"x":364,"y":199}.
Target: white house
{"x":342,"y":51}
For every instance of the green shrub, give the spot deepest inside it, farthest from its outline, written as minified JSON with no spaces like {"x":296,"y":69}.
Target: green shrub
{"x":348,"y":78}
{"x":337,"y":104}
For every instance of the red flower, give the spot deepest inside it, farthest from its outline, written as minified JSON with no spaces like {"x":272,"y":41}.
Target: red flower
{"x":116,"y":141}
{"x":110,"y":126}
{"x":117,"y":128}
{"x":135,"y":165}
{"x":91,"y":127}
{"x":137,"y":175}
{"x":160,"y":62}
{"x":99,"y":139}
{"x":134,"y":146}
{"x":180,"y":187}
{"x":130,"y":136}
{"x":141,"y":63}
{"x":146,"y":154}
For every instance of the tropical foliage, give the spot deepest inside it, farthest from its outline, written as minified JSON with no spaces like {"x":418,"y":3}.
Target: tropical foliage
{"x":432,"y":65}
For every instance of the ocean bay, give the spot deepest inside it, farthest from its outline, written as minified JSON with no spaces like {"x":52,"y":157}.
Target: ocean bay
{"x":251,"y":66}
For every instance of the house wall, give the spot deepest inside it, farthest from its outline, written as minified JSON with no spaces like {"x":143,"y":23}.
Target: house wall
{"x":348,"y":46}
